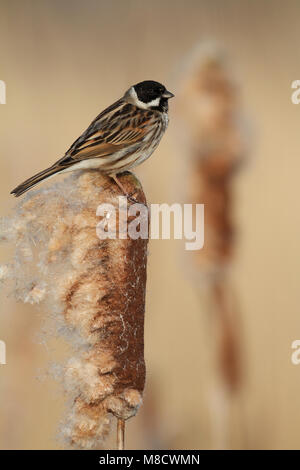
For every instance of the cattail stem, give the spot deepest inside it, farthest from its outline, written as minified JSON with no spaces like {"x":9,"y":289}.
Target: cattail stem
{"x":120,"y":434}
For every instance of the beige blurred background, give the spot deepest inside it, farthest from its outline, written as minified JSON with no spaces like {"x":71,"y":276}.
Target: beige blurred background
{"x":63,"y":61}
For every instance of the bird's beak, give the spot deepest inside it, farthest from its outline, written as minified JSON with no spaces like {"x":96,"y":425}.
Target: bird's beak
{"x":167,"y":94}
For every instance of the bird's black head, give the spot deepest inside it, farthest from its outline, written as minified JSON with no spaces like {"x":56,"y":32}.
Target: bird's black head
{"x":150,"y":95}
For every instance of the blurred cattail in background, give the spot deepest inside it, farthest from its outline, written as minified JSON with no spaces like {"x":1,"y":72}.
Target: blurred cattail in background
{"x":93,"y":288}
{"x":213,"y":147}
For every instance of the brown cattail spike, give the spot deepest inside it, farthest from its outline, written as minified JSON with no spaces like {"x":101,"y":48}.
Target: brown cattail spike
{"x":96,"y":290}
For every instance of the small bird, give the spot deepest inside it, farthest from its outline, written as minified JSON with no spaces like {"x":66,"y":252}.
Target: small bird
{"x":121,"y":137}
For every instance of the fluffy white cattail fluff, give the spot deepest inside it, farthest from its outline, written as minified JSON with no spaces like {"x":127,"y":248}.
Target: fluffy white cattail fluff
{"x":95,"y":288}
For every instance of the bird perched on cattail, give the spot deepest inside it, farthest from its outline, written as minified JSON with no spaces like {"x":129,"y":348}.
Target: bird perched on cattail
{"x":120,"y":138}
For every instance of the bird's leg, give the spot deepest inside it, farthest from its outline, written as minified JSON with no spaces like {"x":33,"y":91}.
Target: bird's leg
{"x":119,"y":184}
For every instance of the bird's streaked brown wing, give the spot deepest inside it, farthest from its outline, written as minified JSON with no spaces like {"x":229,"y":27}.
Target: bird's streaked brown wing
{"x":120,"y":126}
{"x":116,"y":128}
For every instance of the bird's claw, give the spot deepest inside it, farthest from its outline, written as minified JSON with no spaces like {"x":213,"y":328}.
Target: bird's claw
{"x":132,"y":199}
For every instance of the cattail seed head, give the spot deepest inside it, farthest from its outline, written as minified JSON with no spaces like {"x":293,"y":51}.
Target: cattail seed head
{"x":96,"y":289}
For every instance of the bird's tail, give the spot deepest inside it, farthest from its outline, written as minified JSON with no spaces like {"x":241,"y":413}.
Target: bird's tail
{"x":28,"y":184}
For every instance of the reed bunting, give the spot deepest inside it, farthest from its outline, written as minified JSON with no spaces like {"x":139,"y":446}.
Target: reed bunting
{"x":120,"y":138}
